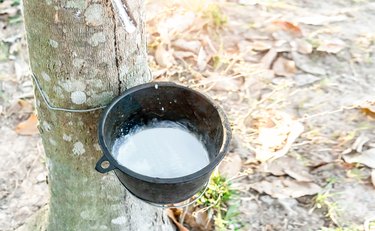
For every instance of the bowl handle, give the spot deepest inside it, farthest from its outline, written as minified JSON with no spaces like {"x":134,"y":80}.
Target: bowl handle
{"x":102,"y":169}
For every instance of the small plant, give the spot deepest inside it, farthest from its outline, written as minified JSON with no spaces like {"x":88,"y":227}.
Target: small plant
{"x":215,"y":199}
{"x":324,"y":201}
{"x":215,"y":15}
{"x":356,"y":173}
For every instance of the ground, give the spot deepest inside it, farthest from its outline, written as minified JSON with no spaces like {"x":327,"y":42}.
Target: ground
{"x":296,"y":79}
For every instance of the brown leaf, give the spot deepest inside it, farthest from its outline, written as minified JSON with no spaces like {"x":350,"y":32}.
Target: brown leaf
{"x":284,"y":67}
{"x":20,"y":106}
{"x":28,"y":127}
{"x":183,"y":54}
{"x":158,"y":73}
{"x":276,"y":141}
{"x":171,"y":215}
{"x":282,"y":46}
{"x":302,"y":46}
{"x":373,"y":177}
{"x":288,"y":26}
{"x":175,"y":24}
{"x":368,"y":108}
{"x":305,"y":79}
{"x":244,"y":46}
{"x":268,"y":58}
{"x":287,"y":166}
{"x":273,"y":167}
{"x":202,"y":59}
{"x":185,"y":45}
{"x":360,"y":142}
{"x":334,"y":45}
{"x":26,"y":106}
{"x":203,"y":220}
{"x":223,"y":83}
{"x":163,"y":57}
{"x":366,"y":158}
{"x":196,"y":219}
{"x":279,"y":187}
{"x":231,"y":165}
{"x":261,"y":45}
{"x":307,"y":64}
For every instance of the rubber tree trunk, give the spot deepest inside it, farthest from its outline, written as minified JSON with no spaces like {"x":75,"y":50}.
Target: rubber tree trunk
{"x":83,"y":58}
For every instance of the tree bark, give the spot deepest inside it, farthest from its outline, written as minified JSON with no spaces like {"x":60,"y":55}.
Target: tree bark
{"x":83,"y":58}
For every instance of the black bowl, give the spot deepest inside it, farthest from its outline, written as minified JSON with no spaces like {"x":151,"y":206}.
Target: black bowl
{"x":140,"y":106}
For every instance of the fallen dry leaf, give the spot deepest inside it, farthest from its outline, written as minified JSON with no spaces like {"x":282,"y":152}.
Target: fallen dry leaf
{"x":198,"y":220}
{"x":203,"y":220}
{"x":26,"y":106}
{"x":302,"y":46}
{"x":334,"y":45}
{"x":177,"y":23}
{"x":268,"y":58}
{"x":185,"y":45}
{"x":284,"y":67}
{"x":366,"y":158}
{"x":171,"y":215}
{"x":275,"y":142}
{"x":183,"y":54}
{"x":158,"y":73}
{"x":28,"y":127}
{"x":202,"y":59}
{"x":305,"y":79}
{"x":282,"y":46}
{"x":288,"y":26}
{"x":163,"y":57}
{"x":287,"y":166}
{"x":244,"y":46}
{"x":261,"y":45}
{"x":273,"y":167}
{"x":20,"y":106}
{"x":231,"y":165}
{"x":222,"y":83}
{"x":360,"y":142}
{"x":307,"y":64}
{"x":373,"y":177}
{"x":368,"y":108}
{"x":279,"y":187}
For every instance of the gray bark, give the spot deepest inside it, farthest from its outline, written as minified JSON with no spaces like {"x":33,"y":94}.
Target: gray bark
{"x":83,"y":57}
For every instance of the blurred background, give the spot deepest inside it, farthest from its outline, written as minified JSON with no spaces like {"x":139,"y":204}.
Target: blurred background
{"x":296,"y":79}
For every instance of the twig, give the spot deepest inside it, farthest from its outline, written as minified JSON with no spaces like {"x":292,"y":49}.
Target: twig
{"x":343,"y":108}
{"x":182,"y":218}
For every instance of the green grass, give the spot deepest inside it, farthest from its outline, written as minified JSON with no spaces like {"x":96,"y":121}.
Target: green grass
{"x":16,"y":2}
{"x":325,"y":201}
{"x":215,"y":200}
{"x":356,"y":173}
{"x":215,"y":15}
{"x":4,"y":51}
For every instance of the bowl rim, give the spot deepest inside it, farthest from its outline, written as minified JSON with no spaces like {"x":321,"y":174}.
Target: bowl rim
{"x":183,"y":179}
